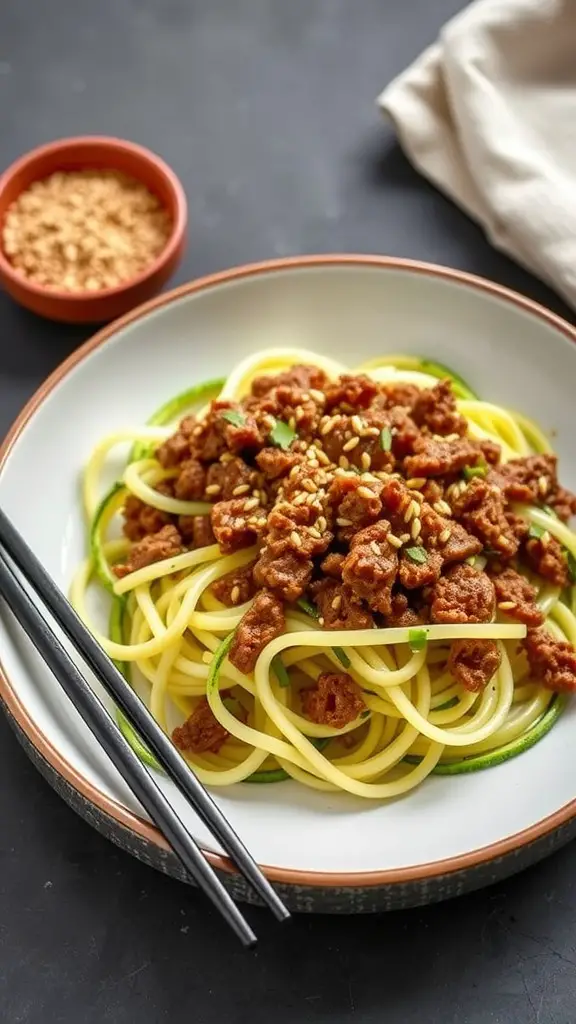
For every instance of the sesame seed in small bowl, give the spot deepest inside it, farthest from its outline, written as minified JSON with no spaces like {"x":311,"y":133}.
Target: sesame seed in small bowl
{"x":89,"y":228}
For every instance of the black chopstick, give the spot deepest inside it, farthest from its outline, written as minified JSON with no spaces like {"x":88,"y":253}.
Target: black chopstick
{"x":136,"y":712}
{"x":119,"y":751}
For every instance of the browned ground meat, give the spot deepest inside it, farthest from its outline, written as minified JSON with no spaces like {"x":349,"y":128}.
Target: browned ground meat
{"x":474,"y":662}
{"x":196,"y":531}
{"x":274,"y":462}
{"x":357,"y":504}
{"x":201,"y":731}
{"x":177,"y":448}
{"x":402,"y":614}
{"x":234,"y":526}
{"x":341,"y":434}
{"x":392,"y":395}
{"x":563,"y":503}
{"x":258,"y":626}
{"x":140,"y":520}
{"x":464,"y":595}
{"x":283,"y":571}
{"x":235,"y":587}
{"x":451,"y":539}
{"x":516,"y":597}
{"x":339,"y":607}
{"x":300,"y":376}
{"x":295,"y":526}
{"x":164,"y":544}
{"x":413,"y":574}
{"x":232,"y":477}
{"x":480,"y":509}
{"x":552,"y":662}
{"x":336,"y":700}
{"x":332,"y":565}
{"x":191,"y":481}
{"x":245,"y":436}
{"x":371,"y":567}
{"x":546,"y":556}
{"x":436,"y":458}
{"x":350,"y":393}
{"x":435,"y":408}
{"x":531,"y":478}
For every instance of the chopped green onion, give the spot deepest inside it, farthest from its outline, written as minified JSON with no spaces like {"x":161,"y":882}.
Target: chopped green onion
{"x":417,"y":639}
{"x":417,"y":555}
{"x":282,"y":435}
{"x":472,"y":471}
{"x":535,"y":531}
{"x":342,"y":656}
{"x":237,"y":419}
{"x":280,"y":671}
{"x":386,"y":439}
{"x":571,"y":566}
{"x":233,"y":706}
{"x":306,"y":607}
{"x":364,"y":714}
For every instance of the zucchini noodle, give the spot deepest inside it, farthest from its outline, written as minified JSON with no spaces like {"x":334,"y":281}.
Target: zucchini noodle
{"x":170,"y":636}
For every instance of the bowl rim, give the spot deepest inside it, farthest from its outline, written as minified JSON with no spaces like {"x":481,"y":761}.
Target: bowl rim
{"x":111,"y":807}
{"x":112,"y":144}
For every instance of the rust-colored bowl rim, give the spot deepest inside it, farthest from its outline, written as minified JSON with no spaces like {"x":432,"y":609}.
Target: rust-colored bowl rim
{"x":146,"y":830}
{"x":109,"y":146}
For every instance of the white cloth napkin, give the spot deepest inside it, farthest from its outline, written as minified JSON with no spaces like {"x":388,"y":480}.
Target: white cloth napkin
{"x":488,"y":114}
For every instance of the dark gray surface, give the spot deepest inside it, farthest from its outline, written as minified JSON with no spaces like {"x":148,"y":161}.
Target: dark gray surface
{"x":265,"y":108}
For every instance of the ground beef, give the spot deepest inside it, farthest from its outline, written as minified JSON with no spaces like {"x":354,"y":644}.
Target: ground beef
{"x":300,"y":376}
{"x":453,"y":542}
{"x":396,"y":499}
{"x":208,"y":438}
{"x":464,"y":595}
{"x":201,"y":731}
{"x":552,"y":662}
{"x":367,"y":445}
{"x":529,"y":479}
{"x":283,"y":571}
{"x":412,"y":574}
{"x":435,"y":408}
{"x":191,"y":481}
{"x":474,"y":662}
{"x":480,"y":509}
{"x":563,"y":503}
{"x":196,"y":531}
{"x":227,"y":476}
{"x":174,"y":450}
{"x":404,"y":432}
{"x":140,"y":520}
{"x":336,"y":700}
{"x":350,"y":393}
{"x":339,"y":607}
{"x":235,"y":587}
{"x":258,"y":626}
{"x":545,"y":555}
{"x":393,"y":395}
{"x":437,"y":458}
{"x":402,"y":614}
{"x":332,"y":565}
{"x":275,"y":462}
{"x":371,"y":567}
{"x":164,"y":544}
{"x":245,"y":436}
{"x":355,"y":502}
{"x":289,"y":404}
{"x":491,"y":451}
{"x":516,"y":597}
{"x":295,"y":526}
{"x":234,"y":526}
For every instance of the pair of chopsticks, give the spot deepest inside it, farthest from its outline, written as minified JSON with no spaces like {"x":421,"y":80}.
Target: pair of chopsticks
{"x":98,"y":720}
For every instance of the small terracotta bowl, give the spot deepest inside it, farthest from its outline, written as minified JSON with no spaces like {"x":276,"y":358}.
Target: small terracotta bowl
{"x":95,"y":152}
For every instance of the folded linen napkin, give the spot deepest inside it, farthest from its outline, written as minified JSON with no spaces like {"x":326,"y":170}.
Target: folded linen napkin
{"x":488,"y":114}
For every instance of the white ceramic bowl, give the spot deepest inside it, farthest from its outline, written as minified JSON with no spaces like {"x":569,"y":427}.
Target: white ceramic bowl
{"x":327,"y":852}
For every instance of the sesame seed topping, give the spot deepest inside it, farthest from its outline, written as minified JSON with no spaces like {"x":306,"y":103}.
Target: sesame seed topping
{"x":343,"y":462}
{"x":320,"y":620}
{"x":410,"y":512}
{"x":357,"y":424}
{"x":394,"y":540}
{"x":366,"y":492}
{"x":343,"y":522}
{"x":445,"y":536}
{"x":317,"y":395}
{"x":235,"y":594}
{"x":294,"y":472}
{"x":251,"y":503}
{"x":351,"y":444}
{"x":328,"y":426}
{"x":543,"y":485}
{"x":416,"y":482}
{"x":296,"y":539}
{"x":300,"y":498}
{"x":365,"y":460}
{"x":506,"y":606}
{"x":226,"y":457}
{"x":241,"y":489}
{"x":309,"y":485}
{"x":442,"y":507}
{"x":416,"y":528}
{"x":292,"y":423}
{"x":314,"y":532}
{"x":404,"y":537}
{"x":374,"y":547}
{"x":336,"y":602}
{"x":322,"y":458}
{"x":321,"y":524}
{"x":213,"y":489}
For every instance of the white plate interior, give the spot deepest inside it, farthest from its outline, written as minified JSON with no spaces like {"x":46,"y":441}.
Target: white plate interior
{"x":351,"y":312}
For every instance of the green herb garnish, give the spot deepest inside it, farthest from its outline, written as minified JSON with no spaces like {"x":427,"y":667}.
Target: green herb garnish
{"x":364,"y":714}
{"x":282,"y":435}
{"x":280,"y":672}
{"x":342,"y":656}
{"x":417,"y":639}
{"x":472,"y":471}
{"x":417,"y":555}
{"x":233,"y":706}
{"x":386,"y":439}
{"x":308,"y":608}
{"x":535,"y":531}
{"x":237,"y":419}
